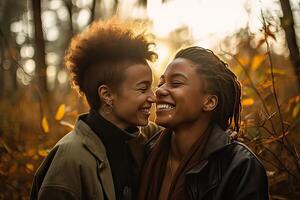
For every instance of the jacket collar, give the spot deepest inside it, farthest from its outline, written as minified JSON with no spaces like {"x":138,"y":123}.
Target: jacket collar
{"x":91,"y":140}
{"x":112,"y":136}
{"x":94,"y":145}
{"x":217,"y":140}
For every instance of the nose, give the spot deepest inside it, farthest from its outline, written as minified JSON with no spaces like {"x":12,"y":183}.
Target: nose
{"x":151,"y":98}
{"x":161,"y":91}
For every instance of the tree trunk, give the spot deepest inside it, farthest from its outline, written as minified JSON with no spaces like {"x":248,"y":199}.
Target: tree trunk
{"x":39,"y":48}
{"x":287,"y":23}
{"x":69,"y":5}
{"x":115,"y":8}
{"x":2,"y":49}
{"x":8,"y":76}
{"x":1,"y":71}
{"x":93,"y":10}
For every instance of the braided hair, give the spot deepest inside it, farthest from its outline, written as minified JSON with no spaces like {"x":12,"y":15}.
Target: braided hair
{"x":220,"y":81}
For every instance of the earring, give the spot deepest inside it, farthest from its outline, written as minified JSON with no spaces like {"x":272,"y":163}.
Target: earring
{"x":204,"y":108}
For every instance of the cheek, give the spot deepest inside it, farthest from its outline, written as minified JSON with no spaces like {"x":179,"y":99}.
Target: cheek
{"x":140,"y":99}
{"x":189,"y":106}
{"x":130,"y":104}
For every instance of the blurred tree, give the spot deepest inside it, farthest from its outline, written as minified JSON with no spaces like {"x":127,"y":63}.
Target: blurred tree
{"x":2,"y":5}
{"x":287,"y":23}
{"x":116,"y":5}
{"x":39,"y":45}
{"x":1,"y":68}
{"x":93,"y":11}
{"x":69,"y":6}
{"x":9,"y":11}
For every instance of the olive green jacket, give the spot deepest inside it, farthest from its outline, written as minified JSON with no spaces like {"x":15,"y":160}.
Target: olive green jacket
{"x":77,"y":167}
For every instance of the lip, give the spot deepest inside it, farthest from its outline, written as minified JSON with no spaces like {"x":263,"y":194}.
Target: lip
{"x":145,"y":110}
{"x":163,"y":106}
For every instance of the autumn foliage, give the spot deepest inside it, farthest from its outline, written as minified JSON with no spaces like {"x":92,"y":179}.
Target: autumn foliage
{"x":32,"y":121}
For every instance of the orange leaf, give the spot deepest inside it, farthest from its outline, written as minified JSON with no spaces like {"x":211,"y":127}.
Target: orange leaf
{"x":248,"y":102}
{"x":276,"y":71}
{"x":267,"y":84}
{"x":243,"y":60}
{"x":45,"y":125}
{"x":43,"y":153}
{"x":60,"y":112}
{"x":257,"y":60}
{"x":30,"y":166}
{"x":296,"y":110}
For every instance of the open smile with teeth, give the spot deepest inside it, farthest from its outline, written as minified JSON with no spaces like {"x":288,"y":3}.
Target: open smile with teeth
{"x":145,"y":110}
{"x":160,"y":107}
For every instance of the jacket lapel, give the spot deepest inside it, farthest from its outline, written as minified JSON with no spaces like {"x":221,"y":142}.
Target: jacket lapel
{"x":217,"y":140}
{"x":96,"y":147}
{"x":209,"y":178}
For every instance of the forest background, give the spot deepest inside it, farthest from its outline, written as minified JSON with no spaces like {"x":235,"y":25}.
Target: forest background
{"x":259,"y":39}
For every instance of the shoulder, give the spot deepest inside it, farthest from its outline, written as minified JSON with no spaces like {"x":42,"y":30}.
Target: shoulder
{"x":62,"y":169}
{"x":68,"y":147}
{"x":67,"y":153}
{"x":244,"y":172}
{"x":239,"y":157}
{"x":69,"y":156}
{"x":150,"y":130}
{"x":242,"y":152}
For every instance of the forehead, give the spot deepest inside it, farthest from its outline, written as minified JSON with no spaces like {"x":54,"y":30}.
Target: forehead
{"x":136,"y":73}
{"x":180,"y":66}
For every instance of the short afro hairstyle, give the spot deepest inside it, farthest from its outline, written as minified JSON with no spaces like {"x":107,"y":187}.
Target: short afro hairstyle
{"x":100,"y":54}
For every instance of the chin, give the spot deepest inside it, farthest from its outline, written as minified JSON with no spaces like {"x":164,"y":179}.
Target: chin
{"x":163,"y":122}
{"x":142,"y":122}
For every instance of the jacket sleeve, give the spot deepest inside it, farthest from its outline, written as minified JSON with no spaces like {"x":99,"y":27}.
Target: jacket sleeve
{"x":43,"y":190}
{"x":56,"y":192}
{"x":250,"y":182}
{"x":40,"y":174}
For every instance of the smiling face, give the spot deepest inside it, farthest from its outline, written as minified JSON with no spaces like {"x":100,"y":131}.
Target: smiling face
{"x":133,"y":100}
{"x":180,"y":95}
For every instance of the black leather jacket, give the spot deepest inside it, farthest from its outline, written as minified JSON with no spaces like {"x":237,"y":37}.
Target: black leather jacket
{"x":230,"y":171}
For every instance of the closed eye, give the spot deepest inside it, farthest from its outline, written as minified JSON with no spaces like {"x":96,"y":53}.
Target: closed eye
{"x":176,"y":84}
{"x":142,"y":90}
{"x":160,"y":84}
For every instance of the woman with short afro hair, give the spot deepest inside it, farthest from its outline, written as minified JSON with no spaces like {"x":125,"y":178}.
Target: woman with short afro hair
{"x":102,"y":156}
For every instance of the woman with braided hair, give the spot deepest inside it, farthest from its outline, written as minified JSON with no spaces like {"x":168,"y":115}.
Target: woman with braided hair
{"x":197,"y":99}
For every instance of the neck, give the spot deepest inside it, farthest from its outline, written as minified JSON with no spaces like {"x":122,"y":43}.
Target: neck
{"x":184,"y":137}
{"x":112,"y":119}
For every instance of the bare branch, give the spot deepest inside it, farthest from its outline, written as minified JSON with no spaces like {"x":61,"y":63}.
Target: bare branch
{"x":253,"y":87}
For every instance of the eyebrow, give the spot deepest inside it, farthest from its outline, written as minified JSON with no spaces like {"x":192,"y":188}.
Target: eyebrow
{"x":143,"y":82}
{"x":178,"y":74}
{"x":175,"y":75}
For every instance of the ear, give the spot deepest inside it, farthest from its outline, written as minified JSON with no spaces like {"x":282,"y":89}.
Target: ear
{"x":105,"y":94}
{"x":210,"y":102}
